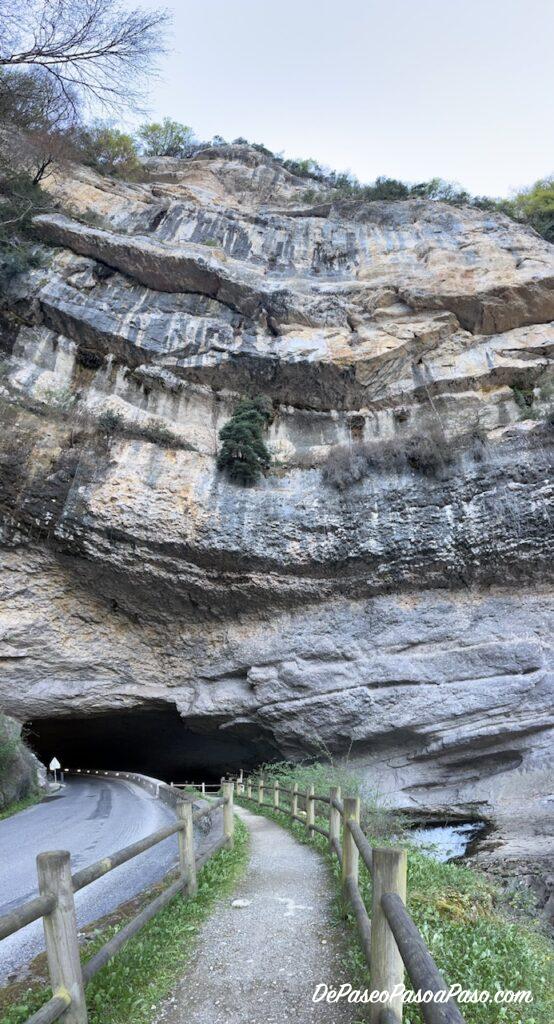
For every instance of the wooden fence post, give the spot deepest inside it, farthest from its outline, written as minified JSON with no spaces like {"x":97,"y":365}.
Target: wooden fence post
{"x":60,"y":932}
{"x":228,"y":814}
{"x":187,"y":863}
{"x":350,"y":855}
{"x":203,"y":789}
{"x":294,"y":801}
{"x":334,"y":817}
{"x":387,"y":968}
{"x":276,"y":796}
{"x":249,"y":788}
{"x":310,"y":810}
{"x":260,"y":790}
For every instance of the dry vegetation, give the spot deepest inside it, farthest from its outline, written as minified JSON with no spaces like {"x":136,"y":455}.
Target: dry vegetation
{"x":427,"y":452}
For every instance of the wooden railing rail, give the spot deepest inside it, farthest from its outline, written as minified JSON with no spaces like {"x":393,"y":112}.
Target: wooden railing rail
{"x":26,"y":914}
{"x":362,"y":843}
{"x":101,"y":867}
{"x":390,"y":940}
{"x":422,"y":970}
{"x":56,"y":902}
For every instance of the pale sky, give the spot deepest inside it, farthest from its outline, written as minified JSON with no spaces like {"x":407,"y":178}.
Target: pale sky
{"x":411,"y":89}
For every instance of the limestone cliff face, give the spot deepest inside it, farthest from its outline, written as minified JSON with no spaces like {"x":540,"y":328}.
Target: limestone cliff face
{"x":404,"y":620}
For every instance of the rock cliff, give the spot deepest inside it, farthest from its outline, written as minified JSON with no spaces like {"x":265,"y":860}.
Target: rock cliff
{"x":402,"y":619}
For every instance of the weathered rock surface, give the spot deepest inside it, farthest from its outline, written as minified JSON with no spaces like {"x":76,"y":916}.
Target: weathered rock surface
{"x":404,"y":621}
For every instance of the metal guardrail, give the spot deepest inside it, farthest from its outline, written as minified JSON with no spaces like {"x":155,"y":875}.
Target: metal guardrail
{"x":56,"y":902}
{"x":390,"y":939}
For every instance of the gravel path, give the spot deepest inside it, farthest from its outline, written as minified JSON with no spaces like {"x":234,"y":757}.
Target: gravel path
{"x":260,"y":964}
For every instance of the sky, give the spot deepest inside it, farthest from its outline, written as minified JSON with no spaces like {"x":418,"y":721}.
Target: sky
{"x":411,"y":89}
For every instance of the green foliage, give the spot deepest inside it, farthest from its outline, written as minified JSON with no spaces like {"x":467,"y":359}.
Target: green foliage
{"x":376,"y":817}
{"x":466,"y":921}
{"x":110,"y":151}
{"x":151,"y":963}
{"x":165,"y":138}
{"x":20,"y":805}
{"x":109,"y":422}
{"x":535,"y":206}
{"x":20,"y":199}
{"x":243,"y":454}
{"x":9,"y":743}
{"x":523,"y":396}
{"x":158,"y":432}
{"x":306,"y":168}
{"x":17,"y":781}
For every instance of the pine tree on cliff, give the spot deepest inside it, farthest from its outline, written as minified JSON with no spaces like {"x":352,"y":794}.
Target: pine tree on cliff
{"x":243,"y":454}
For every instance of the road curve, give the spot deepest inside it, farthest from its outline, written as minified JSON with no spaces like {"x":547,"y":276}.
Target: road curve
{"x":91,"y":817}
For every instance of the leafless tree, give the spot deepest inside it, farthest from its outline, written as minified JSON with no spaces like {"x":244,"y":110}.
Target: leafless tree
{"x":38,"y":124}
{"x":33,"y":101}
{"x":94,"y":49}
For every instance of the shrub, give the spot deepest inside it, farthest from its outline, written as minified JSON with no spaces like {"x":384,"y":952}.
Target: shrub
{"x":345,"y":465}
{"x":88,"y":359}
{"x":426,"y":453}
{"x":535,"y":206}
{"x":157,"y":431}
{"x":523,"y":397}
{"x":243,"y":454}
{"x":109,"y":422}
{"x":20,"y":199}
{"x":16,"y":256}
{"x":110,"y":151}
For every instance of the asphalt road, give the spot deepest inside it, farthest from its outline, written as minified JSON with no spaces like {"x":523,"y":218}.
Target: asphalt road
{"x":91,"y":818}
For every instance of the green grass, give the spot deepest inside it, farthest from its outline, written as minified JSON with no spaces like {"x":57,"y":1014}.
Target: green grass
{"x":20,"y":805}
{"x":150,"y":964}
{"x":467,"y":924}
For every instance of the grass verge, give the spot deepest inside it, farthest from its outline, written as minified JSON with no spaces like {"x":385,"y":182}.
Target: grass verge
{"x":21,"y":805}
{"x":467,"y":925}
{"x":131,"y":986}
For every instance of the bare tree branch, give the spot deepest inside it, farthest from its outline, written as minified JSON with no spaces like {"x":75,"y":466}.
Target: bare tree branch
{"x":95,"y":46}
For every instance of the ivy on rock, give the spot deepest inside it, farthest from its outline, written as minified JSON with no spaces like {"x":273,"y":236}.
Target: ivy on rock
{"x":243,"y":456}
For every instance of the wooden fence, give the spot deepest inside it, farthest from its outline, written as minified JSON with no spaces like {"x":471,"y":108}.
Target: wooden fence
{"x":56,"y":902}
{"x":389,"y":939}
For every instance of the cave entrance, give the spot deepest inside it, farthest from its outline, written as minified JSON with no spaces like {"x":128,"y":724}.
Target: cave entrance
{"x":155,"y":741}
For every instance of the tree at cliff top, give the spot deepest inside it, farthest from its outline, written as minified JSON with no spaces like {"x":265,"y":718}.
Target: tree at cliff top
{"x":109,"y":151}
{"x":166,"y":138}
{"x":243,"y":454}
{"x":535,"y":206}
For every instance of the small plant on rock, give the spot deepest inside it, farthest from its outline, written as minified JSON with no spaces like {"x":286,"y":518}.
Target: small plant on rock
{"x":110,"y":421}
{"x":243,"y":454}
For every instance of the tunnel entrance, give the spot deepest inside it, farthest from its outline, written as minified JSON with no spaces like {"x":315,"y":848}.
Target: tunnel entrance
{"x":155,"y":741}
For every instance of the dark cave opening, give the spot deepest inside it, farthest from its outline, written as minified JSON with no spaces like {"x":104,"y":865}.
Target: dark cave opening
{"x":154,"y":741}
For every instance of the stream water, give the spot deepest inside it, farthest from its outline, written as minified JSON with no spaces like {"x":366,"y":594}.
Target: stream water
{"x":444,"y":842}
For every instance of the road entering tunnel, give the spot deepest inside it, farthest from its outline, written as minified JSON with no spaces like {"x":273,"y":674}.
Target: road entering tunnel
{"x":155,"y":741}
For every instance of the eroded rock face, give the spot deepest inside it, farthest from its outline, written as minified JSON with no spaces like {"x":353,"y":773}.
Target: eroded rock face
{"x":403,"y":621}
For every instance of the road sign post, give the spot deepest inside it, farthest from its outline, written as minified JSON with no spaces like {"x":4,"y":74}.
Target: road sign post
{"x":54,"y":766}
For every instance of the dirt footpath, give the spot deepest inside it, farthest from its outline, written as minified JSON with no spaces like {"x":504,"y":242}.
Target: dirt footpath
{"x":260,"y":964}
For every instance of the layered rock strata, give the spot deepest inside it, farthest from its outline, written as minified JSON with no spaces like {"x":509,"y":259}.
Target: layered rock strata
{"x":403,"y":621}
